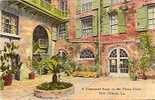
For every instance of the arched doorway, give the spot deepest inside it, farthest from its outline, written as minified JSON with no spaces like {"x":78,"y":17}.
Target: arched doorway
{"x":40,"y":47}
{"x":118,"y":62}
{"x":40,"y":41}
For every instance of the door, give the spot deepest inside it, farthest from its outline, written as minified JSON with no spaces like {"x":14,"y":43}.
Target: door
{"x":118,"y":63}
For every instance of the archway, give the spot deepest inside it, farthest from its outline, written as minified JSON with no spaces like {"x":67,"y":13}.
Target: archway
{"x":40,"y":47}
{"x":118,"y":62}
{"x":40,"y":41}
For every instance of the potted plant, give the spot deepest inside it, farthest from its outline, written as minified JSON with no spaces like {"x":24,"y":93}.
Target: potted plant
{"x":55,"y":65}
{"x":7,"y":65}
{"x":32,"y":75}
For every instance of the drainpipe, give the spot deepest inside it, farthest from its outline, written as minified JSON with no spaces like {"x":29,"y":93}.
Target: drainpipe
{"x":98,"y":54}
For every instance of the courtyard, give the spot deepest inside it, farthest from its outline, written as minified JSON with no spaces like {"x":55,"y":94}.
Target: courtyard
{"x":103,"y":88}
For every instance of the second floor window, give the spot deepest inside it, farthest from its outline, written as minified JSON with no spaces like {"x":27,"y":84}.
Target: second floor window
{"x":87,"y":24}
{"x":151,"y":17}
{"x":113,"y":23}
{"x":63,"y":5}
{"x":9,"y":23}
{"x":61,"y":30}
{"x":86,"y":5}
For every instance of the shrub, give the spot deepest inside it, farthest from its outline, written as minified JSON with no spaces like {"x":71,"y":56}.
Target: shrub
{"x":54,"y":86}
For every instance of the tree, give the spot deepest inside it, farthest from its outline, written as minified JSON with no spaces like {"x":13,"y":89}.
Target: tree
{"x":55,"y":65}
{"x":148,"y":52}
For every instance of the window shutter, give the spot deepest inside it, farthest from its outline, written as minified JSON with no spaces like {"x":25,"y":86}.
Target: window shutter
{"x":94,"y":33}
{"x":106,"y":23}
{"x":121,"y":21}
{"x":66,"y":31}
{"x":106,"y":3}
{"x":78,"y":28}
{"x":142,"y":19}
{"x":78,"y":7}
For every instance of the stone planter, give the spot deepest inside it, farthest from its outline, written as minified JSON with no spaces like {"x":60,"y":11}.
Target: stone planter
{"x":53,"y":94}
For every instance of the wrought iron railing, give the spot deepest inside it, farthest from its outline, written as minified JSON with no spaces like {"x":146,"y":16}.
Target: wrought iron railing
{"x":46,"y":7}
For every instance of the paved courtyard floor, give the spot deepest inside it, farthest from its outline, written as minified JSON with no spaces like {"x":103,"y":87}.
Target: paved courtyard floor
{"x":103,"y":88}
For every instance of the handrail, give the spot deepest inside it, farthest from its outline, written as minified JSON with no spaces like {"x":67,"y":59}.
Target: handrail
{"x":46,"y":7}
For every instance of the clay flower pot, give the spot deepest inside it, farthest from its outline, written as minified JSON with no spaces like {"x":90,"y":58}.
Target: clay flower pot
{"x":32,"y":75}
{"x":7,"y":79}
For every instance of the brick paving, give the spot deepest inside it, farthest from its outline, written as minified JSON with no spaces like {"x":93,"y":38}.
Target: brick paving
{"x":86,"y":89}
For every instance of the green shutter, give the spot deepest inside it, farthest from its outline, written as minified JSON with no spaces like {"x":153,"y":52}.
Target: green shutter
{"x":78,"y":7}
{"x":66,"y":31}
{"x":142,"y":18}
{"x":78,"y":28}
{"x":106,"y":3}
{"x":94,"y":33}
{"x":121,"y":21}
{"x":106,"y":24}
{"x":96,"y":3}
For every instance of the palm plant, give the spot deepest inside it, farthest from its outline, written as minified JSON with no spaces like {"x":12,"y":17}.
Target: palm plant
{"x":55,"y":65}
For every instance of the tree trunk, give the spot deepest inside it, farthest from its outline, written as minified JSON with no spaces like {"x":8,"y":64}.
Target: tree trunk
{"x":54,"y":78}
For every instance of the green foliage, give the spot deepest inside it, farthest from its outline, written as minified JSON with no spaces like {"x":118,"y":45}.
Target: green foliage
{"x":37,"y":63}
{"x":148,"y":51}
{"x":79,"y":67}
{"x":93,"y":68}
{"x":54,"y":86}
{"x":57,"y":64}
{"x":10,"y":60}
{"x":133,"y":66}
{"x":133,"y":76}
{"x":69,"y":66}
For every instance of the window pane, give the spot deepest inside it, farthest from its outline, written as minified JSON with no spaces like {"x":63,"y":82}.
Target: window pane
{"x":86,"y":53}
{"x":9,"y":23}
{"x":113,"y":53}
{"x":114,"y":24}
{"x":123,"y":53}
{"x":151,"y":17}
{"x":124,"y":65}
{"x":86,"y":5}
{"x":87,"y":24}
{"x":113,"y":65}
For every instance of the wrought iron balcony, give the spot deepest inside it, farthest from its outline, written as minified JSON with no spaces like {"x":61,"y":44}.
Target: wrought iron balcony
{"x":46,"y":8}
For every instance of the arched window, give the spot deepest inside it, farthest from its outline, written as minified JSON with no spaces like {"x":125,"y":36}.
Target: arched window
{"x":86,"y":53}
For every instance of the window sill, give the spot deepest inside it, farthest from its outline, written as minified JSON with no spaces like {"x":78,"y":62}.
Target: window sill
{"x":89,"y":59}
{"x":114,"y":34}
{"x":9,"y":35}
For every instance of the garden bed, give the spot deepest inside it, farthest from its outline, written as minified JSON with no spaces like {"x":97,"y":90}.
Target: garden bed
{"x":53,"y":90}
{"x":84,"y":74}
